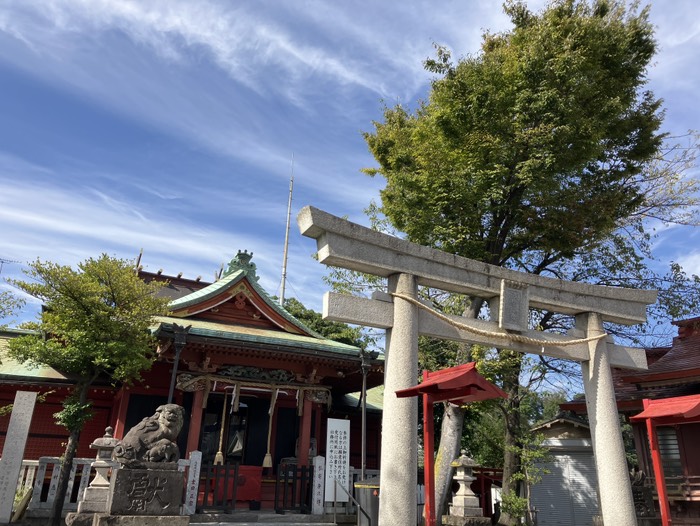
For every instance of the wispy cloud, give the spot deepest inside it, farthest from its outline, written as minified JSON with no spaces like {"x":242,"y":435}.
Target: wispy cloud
{"x":78,"y":220}
{"x":239,"y":41}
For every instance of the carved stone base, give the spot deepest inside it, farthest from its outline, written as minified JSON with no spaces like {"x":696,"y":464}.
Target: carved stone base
{"x":139,"y":520}
{"x":150,"y":492}
{"x":94,"y":500}
{"x":461,"y":511}
{"x":102,"y":519}
{"x":450,"y":520}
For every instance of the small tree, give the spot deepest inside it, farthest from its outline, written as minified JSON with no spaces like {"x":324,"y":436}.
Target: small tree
{"x":95,"y":322}
{"x":9,"y":304}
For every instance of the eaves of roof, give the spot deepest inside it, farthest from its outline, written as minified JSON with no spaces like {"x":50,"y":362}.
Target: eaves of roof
{"x":208,"y":292}
{"x":375,"y":399}
{"x":576,"y":422}
{"x":681,"y":361}
{"x":254,"y":335}
{"x":12,"y":370}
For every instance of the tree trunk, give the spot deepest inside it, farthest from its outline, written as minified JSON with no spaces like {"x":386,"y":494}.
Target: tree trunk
{"x":451,"y":431}
{"x":81,"y":391}
{"x":64,"y":478}
{"x":450,"y":441}
{"x":512,"y":445}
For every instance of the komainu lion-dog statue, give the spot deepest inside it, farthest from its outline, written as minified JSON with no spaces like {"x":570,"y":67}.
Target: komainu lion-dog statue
{"x":152,"y":439}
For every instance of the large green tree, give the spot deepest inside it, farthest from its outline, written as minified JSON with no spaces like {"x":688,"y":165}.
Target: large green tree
{"x":542,"y":152}
{"x":95,"y":323}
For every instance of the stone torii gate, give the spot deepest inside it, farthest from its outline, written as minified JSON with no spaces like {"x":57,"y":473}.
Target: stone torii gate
{"x":510,"y":294}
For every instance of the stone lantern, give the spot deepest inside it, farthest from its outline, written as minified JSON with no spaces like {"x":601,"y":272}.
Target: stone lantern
{"x":96,"y":495}
{"x":465,"y":509}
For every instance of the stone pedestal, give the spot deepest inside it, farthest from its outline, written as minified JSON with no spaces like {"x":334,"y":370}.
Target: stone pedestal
{"x":451,"y":520}
{"x":139,"y":520}
{"x":102,"y":519}
{"x":154,"y":490}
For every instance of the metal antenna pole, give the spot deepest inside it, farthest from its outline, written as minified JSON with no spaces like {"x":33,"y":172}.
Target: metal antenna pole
{"x":365,"y":368}
{"x":286,"y":235}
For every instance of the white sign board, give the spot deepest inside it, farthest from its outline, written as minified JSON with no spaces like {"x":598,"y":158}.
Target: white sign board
{"x":13,"y":451}
{"x":338,"y":459}
{"x":190,"y":506}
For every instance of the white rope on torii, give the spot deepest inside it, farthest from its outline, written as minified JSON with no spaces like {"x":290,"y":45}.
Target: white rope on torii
{"x":519,"y":338}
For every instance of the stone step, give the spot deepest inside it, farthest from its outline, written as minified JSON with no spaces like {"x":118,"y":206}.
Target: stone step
{"x":236,"y":523}
{"x":269,"y":523}
{"x":271,"y":519}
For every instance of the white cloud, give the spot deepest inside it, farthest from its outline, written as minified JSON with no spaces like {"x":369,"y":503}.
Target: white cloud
{"x":254,"y":84}
{"x":241,"y":43}
{"x":690,"y":262}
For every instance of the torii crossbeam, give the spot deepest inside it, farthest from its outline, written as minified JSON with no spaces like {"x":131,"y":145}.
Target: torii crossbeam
{"x":510,"y":295}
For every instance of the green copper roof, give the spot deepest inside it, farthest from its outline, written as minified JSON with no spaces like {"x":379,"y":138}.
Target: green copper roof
{"x":208,"y":292}
{"x":375,"y":399}
{"x":243,"y":334}
{"x":238,"y":268}
{"x":13,"y":370}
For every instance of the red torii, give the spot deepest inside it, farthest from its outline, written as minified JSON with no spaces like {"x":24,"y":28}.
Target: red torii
{"x":457,"y":385}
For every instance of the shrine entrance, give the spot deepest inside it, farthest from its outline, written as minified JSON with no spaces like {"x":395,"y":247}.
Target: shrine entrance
{"x":510,"y":295}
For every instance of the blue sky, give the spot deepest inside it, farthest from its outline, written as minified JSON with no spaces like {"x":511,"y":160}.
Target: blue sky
{"x":171,"y":125}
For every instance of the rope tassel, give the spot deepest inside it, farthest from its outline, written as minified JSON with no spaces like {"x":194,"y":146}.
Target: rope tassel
{"x":267,"y":461}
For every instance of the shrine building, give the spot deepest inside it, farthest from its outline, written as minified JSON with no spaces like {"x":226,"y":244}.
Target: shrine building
{"x":257,"y":385}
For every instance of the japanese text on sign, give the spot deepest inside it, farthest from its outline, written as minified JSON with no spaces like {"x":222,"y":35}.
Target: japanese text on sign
{"x":337,"y":459}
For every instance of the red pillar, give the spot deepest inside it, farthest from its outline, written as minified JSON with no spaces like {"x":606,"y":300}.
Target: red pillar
{"x":195,"y":422}
{"x":658,"y":472}
{"x":317,"y":430}
{"x":428,"y":459}
{"x":123,"y":405}
{"x":305,"y":438}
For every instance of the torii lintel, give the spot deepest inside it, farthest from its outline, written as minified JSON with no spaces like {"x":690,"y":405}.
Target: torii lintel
{"x":344,"y":244}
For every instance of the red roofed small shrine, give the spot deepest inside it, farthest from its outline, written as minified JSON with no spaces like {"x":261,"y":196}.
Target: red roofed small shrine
{"x":458,"y":385}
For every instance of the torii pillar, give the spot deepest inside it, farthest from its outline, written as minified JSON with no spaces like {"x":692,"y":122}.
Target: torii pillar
{"x":510,"y":295}
{"x":399,"y":450}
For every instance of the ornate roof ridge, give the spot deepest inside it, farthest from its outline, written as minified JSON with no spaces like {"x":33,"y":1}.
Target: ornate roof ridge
{"x":238,"y":268}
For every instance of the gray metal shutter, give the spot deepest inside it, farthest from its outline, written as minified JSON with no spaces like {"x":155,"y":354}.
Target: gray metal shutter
{"x":551,"y":496}
{"x":567,"y":495}
{"x":583,"y":482}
